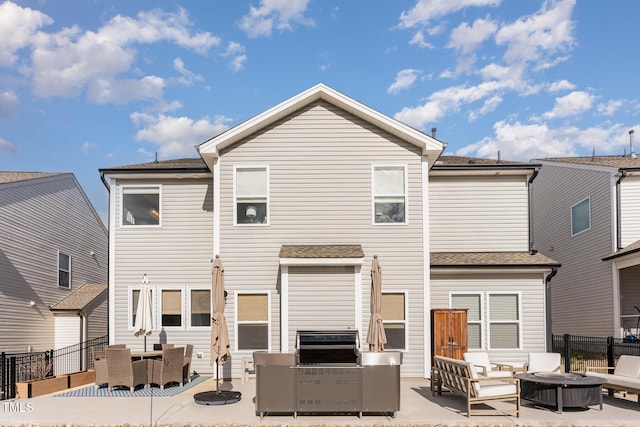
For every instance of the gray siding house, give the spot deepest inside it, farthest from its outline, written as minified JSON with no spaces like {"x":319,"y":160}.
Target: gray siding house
{"x":297,"y":201}
{"x":53,"y":263}
{"x":587,"y":216}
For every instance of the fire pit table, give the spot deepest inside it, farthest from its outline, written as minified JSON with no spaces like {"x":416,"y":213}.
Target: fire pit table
{"x":561,"y":390}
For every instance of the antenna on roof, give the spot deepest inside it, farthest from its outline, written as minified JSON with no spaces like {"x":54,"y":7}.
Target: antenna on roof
{"x":156,"y":160}
{"x":632,"y":153}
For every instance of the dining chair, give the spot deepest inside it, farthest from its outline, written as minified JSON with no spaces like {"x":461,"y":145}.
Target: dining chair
{"x":122,"y":371}
{"x":98,"y":355}
{"x":169,"y":369}
{"x":186,"y":368}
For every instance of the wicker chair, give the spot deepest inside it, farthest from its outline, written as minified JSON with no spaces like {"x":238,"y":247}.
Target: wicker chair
{"x":169,"y":369}
{"x":99,"y":357}
{"x":186,"y":369}
{"x":123,"y":372}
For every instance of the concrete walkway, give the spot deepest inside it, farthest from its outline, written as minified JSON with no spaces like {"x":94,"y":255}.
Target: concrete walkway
{"x":418,"y":408}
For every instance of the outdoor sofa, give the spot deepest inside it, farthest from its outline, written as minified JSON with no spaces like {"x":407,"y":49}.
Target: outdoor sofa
{"x":625,"y":377}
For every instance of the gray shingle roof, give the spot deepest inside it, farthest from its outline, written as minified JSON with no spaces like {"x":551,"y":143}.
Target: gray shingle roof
{"x":620,"y":162}
{"x":80,"y":298}
{"x":462,"y":160}
{"x":321,"y":251}
{"x":8,"y":177}
{"x":195,"y":163}
{"x":627,"y":250}
{"x":491,"y":259}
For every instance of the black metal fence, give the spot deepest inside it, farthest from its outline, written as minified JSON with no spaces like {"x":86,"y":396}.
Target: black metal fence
{"x":17,"y":367}
{"x":580,"y":352}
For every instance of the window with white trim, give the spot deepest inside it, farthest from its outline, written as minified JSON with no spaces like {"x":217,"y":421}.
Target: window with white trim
{"x":252,"y":321}
{"x":199,"y":307}
{"x":473,"y":303}
{"x":171,"y":303}
{"x":140,"y":205}
{"x":64,"y":270}
{"x":394,"y":319}
{"x":504,"y":320}
{"x":581,"y":216}
{"x":251,"y":195}
{"x":389,"y":195}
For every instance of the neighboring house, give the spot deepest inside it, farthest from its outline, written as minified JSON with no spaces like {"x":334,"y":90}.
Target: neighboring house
{"x":587,"y":216}
{"x":53,"y":263}
{"x":297,"y":201}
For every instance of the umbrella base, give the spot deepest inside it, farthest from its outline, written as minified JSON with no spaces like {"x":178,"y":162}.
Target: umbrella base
{"x":222,"y":397}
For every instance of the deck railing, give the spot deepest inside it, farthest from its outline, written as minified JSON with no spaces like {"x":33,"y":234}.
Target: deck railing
{"x":580,"y":352}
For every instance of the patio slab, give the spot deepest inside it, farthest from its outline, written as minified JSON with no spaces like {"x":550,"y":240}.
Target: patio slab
{"x":418,"y":408}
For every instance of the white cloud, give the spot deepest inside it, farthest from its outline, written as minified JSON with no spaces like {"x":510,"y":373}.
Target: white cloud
{"x":404,"y":80}
{"x":465,"y":38}
{"x":8,"y":104}
{"x":17,"y":27}
{"x":560,"y":85}
{"x":523,"y":142}
{"x":88,"y":146}
{"x":570,"y":105}
{"x":489,"y":106}
{"x":6,"y":146}
{"x":536,"y":37}
{"x":281,"y":14}
{"x":609,"y":108}
{"x":187,"y":77}
{"x":237,"y":54}
{"x":426,"y":10}
{"x":71,"y":61}
{"x":418,"y":39}
{"x":177,"y":135}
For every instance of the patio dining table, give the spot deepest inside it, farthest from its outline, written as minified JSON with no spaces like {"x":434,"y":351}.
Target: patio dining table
{"x":151,"y":354}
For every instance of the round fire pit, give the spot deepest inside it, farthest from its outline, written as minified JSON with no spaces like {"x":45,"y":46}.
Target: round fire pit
{"x":560,"y":390}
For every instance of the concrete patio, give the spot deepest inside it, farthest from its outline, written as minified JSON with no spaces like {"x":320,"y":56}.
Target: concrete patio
{"x":418,"y":408}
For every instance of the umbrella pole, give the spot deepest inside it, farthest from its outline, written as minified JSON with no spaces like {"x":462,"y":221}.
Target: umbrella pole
{"x":217,"y":377}
{"x":145,"y":343}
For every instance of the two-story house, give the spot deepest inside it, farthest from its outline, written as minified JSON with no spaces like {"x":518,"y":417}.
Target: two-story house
{"x":587,"y":216}
{"x":297,"y":201}
{"x":53,"y":263}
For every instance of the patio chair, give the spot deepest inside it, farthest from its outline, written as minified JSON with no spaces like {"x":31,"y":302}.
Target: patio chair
{"x":169,"y":369}
{"x":186,"y":368}
{"x":163,"y":346}
{"x":543,"y":362}
{"x":122,"y":371}
{"x":99,"y":357}
{"x":480,"y":360}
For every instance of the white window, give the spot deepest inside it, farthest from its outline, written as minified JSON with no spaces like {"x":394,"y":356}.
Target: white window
{"x":171,"y":303}
{"x":389,"y":195}
{"x":472,"y":302}
{"x":134,"y":299}
{"x":504,"y":321}
{"x":251,"y":194}
{"x":253,"y":321}
{"x":581,"y":216}
{"x":64,"y":270}
{"x":140,"y":205}
{"x":199,"y":308}
{"x":394,"y":319}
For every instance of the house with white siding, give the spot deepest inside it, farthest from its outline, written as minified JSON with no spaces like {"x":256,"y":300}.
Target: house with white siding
{"x":53,"y":263}
{"x":587,"y":216}
{"x":297,"y":201}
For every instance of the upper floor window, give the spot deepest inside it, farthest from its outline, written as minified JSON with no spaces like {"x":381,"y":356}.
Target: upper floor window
{"x":251,"y":194}
{"x":581,"y":216}
{"x":394,"y":319}
{"x":389,"y":194}
{"x":141,"y":205}
{"x":64,"y":270}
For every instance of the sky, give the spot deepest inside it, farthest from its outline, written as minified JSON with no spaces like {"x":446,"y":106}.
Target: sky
{"x":96,"y":84}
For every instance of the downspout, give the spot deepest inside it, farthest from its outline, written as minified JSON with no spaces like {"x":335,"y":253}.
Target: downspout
{"x":623,"y":175}
{"x":104,"y":181}
{"x":547,"y":297}
{"x":532,"y":251}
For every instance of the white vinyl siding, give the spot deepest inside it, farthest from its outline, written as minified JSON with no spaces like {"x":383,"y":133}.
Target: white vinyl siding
{"x":29,"y":246}
{"x":479,"y":213}
{"x":630,"y":210}
{"x":584,"y":283}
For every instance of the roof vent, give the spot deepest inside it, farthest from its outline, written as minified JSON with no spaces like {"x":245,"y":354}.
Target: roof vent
{"x":156,"y":160}
{"x":632,"y":153}
{"x":433,"y":132}
{"x":593,"y":155}
{"x":499,"y":160}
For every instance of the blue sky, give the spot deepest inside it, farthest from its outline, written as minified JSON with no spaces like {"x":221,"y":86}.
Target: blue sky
{"x":94,"y":84}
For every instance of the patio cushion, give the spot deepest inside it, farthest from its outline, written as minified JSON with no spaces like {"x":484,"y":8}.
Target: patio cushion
{"x":497,"y":390}
{"x":628,"y":366}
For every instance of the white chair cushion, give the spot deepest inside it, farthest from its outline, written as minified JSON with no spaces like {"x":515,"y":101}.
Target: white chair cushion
{"x":479,"y":359}
{"x":499,"y":374}
{"x":544,"y":362}
{"x":628,"y":366}
{"x":497,"y":390}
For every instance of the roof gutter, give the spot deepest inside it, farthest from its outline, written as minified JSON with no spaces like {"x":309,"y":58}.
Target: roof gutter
{"x":547,"y":298}
{"x":532,"y":249}
{"x":623,"y":175}
{"x":104,"y":181}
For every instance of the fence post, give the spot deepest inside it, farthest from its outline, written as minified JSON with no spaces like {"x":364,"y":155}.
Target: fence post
{"x":567,"y":352}
{"x":12,"y":377}
{"x":3,"y":377}
{"x":610,"y":361}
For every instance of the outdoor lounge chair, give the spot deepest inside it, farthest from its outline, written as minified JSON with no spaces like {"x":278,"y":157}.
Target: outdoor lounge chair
{"x":124,"y":372}
{"x":543,"y":362}
{"x":480,"y":359}
{"x":186,"y":369}
{"x":169,"y":369}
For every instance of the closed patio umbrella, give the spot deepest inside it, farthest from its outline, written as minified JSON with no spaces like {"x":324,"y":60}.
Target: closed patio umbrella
{"x":219,"y":331}
{"x":144,"y":319}
{"x":376,"y":338}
